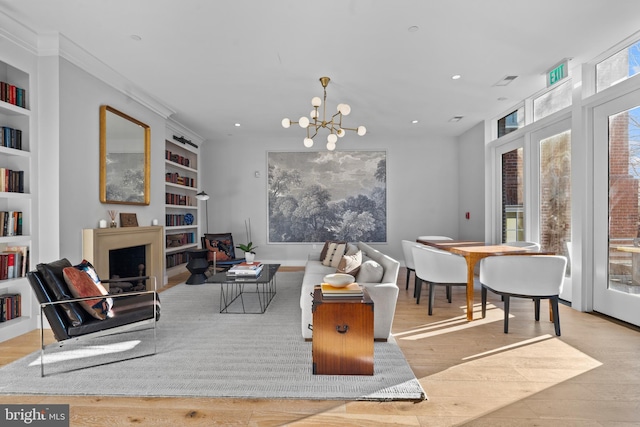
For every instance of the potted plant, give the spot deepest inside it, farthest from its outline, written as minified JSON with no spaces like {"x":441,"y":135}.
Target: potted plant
{"x":249,"y":253}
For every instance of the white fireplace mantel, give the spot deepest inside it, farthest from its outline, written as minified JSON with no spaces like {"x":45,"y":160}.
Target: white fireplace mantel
{"x":97,"y":242}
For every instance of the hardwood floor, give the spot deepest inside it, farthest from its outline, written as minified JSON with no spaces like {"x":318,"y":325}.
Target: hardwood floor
{"x":473,"y":374}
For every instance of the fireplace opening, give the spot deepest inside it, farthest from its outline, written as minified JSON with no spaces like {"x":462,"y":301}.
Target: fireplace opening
{"x":127,"y":262}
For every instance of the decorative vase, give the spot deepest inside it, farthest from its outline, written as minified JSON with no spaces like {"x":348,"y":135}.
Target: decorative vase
{"x":113,"y":224}
{"x":249,"y":257}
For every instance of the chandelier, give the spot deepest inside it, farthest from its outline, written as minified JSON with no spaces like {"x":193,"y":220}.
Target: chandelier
{"x":334,"y":125}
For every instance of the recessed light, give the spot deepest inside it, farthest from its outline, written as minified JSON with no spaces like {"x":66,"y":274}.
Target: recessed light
{"x":237,"y":125}
{"x":136,"y":37}
{"x":456,"y":118}
{"x":414,"y":121}
{"x":456,"y":76}
{"x":413,"y":28}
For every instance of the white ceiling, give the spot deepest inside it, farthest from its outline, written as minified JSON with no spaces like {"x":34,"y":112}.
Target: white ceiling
{"x":217,"y":63}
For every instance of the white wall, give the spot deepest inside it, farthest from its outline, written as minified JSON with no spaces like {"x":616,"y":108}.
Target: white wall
{"x":471,"y":188}
{"x":81,"y":95}
{"x":422,"y":189}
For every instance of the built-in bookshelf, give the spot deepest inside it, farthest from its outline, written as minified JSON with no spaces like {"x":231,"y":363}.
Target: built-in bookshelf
{"x":18,"y":308}
{"x":181,"y":206}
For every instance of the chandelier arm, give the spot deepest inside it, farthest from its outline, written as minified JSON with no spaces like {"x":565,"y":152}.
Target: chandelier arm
{"x":334,"y":124}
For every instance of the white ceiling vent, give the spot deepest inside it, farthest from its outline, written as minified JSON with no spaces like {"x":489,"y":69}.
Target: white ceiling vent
{"x":505,"y":80}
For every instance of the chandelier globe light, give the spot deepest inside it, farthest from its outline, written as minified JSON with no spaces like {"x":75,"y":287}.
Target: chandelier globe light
{"x":334,"y":124}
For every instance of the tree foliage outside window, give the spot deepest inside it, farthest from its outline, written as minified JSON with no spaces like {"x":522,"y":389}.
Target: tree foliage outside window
{"x":319,"y":196}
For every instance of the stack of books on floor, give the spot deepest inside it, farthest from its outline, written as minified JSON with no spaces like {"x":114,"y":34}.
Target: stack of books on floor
{"x":246,"y":271}
{"x":352,"y":291}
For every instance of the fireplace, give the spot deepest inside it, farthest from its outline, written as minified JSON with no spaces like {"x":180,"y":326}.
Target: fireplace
{"x":97,"y":243}
{"x":127,"y":262}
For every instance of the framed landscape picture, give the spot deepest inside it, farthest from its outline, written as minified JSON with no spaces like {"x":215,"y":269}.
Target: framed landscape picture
{"x":316,"y":196}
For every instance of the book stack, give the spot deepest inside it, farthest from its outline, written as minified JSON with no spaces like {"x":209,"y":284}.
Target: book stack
{"x":10,"y":223}
{"x":13,"y":94}
{"x":11,"y":138}
{"x":10,"y":306}
{"x":244,"y":270}
{"x":351,"y":291}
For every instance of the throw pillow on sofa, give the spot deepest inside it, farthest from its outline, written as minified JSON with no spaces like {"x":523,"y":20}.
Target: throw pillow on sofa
{"x":334,"y":254}
{"x":352,"y":249}
{"x":325,"y":248}
{"x":83,"y":282}
{"x":350,"y":264}
{"x":370,"y":272}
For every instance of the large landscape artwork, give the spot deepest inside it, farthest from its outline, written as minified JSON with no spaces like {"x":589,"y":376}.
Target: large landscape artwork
{"x":327,"y":195}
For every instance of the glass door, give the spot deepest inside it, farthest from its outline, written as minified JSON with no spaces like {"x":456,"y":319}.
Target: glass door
{"x":511,"y":191}
{"x":552,"y":199}
{"x":616,"y":212}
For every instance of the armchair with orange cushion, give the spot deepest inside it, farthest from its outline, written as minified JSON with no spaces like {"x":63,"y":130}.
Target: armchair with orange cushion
{"x":221,"y":249}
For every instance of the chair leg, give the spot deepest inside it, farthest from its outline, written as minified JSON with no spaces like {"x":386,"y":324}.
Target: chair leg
{"x":536,"y":304}
{"x":432,"y":296}
{"x":484,"y":302}
{"x":408,"y":274}
{"x":506,"y":314}
{"x":418,"y":289}
{"x":449,"y":293}
{"x":556,"y":318}
{"x":415,"y":285}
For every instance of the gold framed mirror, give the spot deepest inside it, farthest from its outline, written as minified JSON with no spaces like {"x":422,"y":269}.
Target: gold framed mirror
{"x":125,"y":145}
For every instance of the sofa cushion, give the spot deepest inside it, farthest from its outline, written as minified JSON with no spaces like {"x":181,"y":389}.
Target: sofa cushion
{"x":52,"y":274}
{"x":325,"y":248}
{"x":350,"y":264}
{"x":351,"y":249}
{"x":370,"y":272}
{"x":334,"y":254}
{"x":83,"y":282}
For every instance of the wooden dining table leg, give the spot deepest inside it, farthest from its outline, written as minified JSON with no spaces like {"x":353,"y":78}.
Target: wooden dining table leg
{"x":471,"y":263}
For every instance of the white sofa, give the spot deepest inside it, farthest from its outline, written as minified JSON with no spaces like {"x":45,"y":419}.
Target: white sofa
{"x":383,"y":294}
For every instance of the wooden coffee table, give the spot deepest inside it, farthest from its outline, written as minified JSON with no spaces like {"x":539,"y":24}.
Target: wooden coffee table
{"x":342,"y":335}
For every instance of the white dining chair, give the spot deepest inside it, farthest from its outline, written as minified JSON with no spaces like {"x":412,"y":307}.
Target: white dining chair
{"x":524,"y":276}
{"x":437,"y":267}
{"x":434,"y":238}
{"x":408,"y":260}
{"x":532,"y":246}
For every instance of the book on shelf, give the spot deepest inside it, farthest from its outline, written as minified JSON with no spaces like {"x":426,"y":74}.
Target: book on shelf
{"x":352,"y":290}
{"x":10,"y":306}
{"x":21,"y":259}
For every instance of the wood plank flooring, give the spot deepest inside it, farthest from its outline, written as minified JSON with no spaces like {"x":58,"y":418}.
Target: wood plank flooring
{"x":473,"y":373}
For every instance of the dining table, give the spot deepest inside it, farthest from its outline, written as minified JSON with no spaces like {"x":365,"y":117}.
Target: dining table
{"x":473,"y":251}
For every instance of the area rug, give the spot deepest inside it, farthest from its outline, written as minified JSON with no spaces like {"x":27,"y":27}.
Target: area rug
{"x":203,"y":353}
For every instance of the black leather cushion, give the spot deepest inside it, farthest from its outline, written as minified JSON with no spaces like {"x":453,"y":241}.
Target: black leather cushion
{"x":56,"y":317}
{"x":53,"y":277}
{"x":126,"y":310}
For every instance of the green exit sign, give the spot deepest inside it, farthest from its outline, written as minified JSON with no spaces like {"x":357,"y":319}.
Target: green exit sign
{"x":557,"y":73}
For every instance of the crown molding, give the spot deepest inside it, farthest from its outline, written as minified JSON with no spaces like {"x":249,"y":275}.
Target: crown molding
{"x":18,"y":33}
{"x":178,"y":129}
{"x":52,"y":44}
{"x":92,"y":65}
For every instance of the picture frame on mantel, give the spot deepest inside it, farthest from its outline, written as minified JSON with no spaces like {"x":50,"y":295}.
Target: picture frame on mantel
{"x":128,"y":220}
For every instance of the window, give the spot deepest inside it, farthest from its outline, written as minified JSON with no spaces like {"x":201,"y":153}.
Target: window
{"x":512,"y":196}
{"x":511,"y":122}
{"x":551,"y":101}
{"x":618,"y":67}
{"x":555,"y":193}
